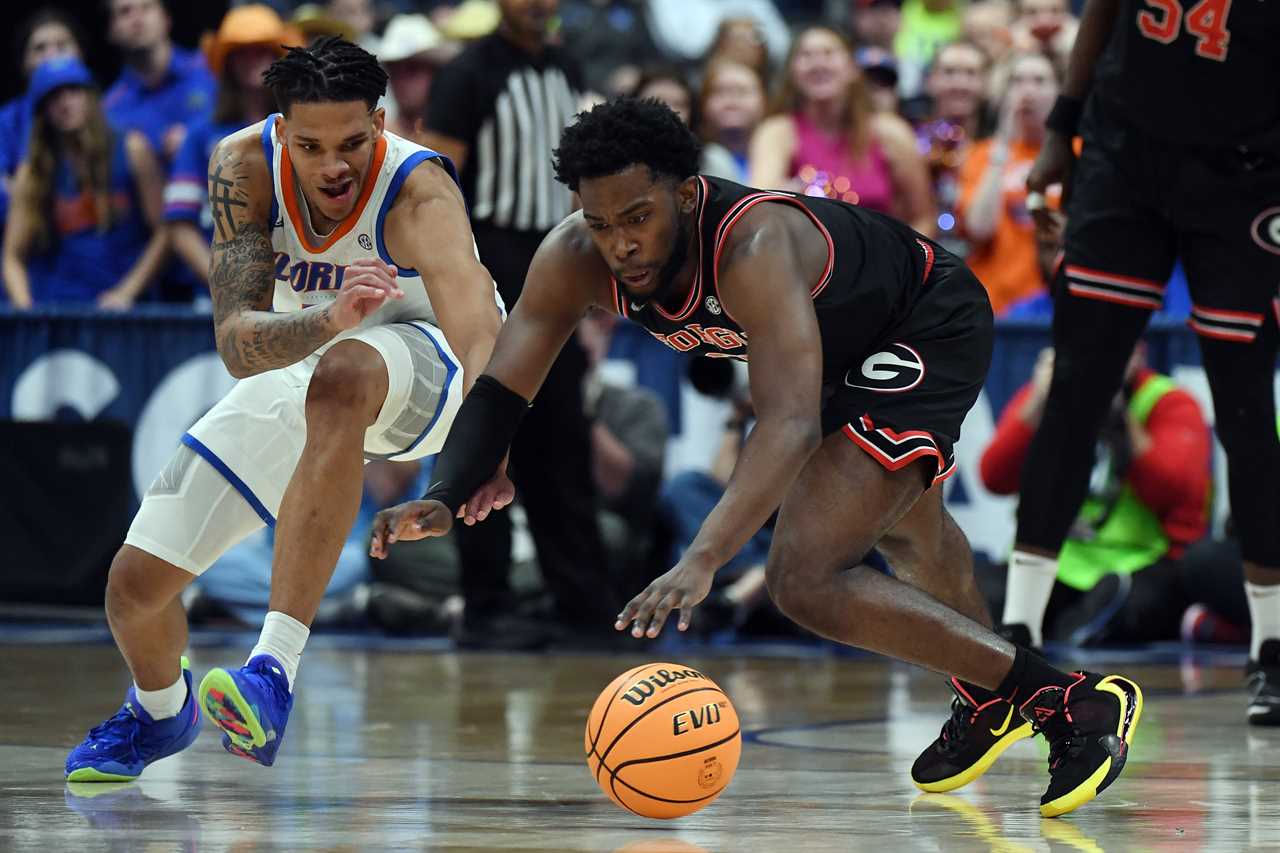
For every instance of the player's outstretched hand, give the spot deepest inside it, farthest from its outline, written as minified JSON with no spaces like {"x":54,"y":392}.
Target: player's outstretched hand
{"x":683,"y":587}
{"x":493,"y":495}
{"x":366,"y":285}
{"x":406,"y":522}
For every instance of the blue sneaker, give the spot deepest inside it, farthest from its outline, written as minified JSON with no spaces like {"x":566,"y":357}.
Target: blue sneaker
{"x":251,"y":705}
{"x":118,"y":749}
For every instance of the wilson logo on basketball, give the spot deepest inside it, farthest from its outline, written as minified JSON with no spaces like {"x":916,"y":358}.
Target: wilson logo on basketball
{"x":646,"y":687}
{"x":1266,"y":230}
{"x":695,"y":718}
{"x":893,"y":370}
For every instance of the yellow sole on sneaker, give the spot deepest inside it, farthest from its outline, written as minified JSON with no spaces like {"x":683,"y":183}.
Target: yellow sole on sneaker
{"x":1090,"y":788}
{"x":227,"y":709}
{"x":90,"y":774}
{"x":982,"y":765}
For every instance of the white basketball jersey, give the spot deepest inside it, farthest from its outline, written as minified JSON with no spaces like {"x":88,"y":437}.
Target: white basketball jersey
{"x":309,"y":270}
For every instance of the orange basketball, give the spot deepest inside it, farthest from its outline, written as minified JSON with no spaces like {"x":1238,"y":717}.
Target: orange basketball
{"x":663,"y":740}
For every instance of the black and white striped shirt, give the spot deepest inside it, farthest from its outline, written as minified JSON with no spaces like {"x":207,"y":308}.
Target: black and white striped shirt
{"x":509,"y":109}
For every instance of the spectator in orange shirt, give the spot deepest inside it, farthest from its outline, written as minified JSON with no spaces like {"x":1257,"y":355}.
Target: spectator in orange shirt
{"x":992,"y":209}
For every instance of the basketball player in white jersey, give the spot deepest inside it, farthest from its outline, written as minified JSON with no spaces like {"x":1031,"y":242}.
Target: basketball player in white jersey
{"x":349,"y":302}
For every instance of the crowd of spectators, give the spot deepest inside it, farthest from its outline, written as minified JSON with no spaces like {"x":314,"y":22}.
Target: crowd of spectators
{"x":929,"y":110}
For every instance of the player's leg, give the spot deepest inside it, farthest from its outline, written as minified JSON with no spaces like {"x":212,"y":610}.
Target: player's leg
{"x":391,"y":391}
{"x":1242,"y":380}
{"x":840,"y":506}
{"x":1118,"y":257}
{"x":344,"y":396}
{"x":189,"y":517}
{"x":928,"y":550}
{"x":1231,"y":248}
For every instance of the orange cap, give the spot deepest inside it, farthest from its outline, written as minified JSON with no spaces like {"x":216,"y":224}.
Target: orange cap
{"x":247,"y":26}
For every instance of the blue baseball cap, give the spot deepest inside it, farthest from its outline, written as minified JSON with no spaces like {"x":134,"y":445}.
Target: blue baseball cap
{"x":56,"y":74}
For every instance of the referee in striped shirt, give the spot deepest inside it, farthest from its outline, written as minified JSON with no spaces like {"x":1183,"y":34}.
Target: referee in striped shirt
{"x":497,"y":110}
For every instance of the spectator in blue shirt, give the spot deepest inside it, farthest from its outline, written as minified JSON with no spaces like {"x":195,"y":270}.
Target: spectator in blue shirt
{"x":247,"y":41}
{"x":162,"y":89}
{"x":47,"y":34}
{"x":84,"y":223}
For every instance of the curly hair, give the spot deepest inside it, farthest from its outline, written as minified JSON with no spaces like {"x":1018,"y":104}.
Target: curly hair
{"x":625,"y":132}
{"x":331,"y":69}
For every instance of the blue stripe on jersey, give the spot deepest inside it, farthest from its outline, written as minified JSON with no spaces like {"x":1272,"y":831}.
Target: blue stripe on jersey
{"x":269,"y":150}
{"x":393,"y":189}
{"x":236,"y":483}
{"x":452,"y":368}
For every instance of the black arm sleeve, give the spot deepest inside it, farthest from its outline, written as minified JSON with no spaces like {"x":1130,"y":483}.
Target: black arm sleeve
{"x":478,"y":439}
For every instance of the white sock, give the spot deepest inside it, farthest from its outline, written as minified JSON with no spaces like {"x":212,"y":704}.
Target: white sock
{"x":282,"y":637}
{"x":1027,"y":591}
{"x":1264,"y":611}
{"x":163,"y":703}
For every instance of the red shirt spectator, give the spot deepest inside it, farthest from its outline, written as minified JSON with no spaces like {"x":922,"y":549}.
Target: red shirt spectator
{"x":1168,"y":471}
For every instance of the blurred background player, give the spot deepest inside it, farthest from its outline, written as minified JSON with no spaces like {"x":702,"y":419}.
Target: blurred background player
{"x":496,"y":111}
{"x":361,"y":345}
{"x":1121,"y":577}
{"x":1180,"y":161}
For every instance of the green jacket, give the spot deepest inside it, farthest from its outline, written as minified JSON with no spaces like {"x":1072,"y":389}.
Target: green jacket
{"x":1117,"y":534}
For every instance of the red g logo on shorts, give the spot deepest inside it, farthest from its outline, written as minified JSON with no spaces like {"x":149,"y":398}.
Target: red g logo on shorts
{"x":895,"y":369}
{"x":1266,"y":230}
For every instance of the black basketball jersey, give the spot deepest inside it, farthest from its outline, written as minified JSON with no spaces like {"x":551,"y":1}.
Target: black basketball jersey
{"x":876,"y":268}
{"x":1195,"y":72}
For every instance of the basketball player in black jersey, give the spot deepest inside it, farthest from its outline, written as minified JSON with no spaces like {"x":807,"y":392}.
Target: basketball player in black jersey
{"x":1178,"y":105}
{"x":867,"y":345}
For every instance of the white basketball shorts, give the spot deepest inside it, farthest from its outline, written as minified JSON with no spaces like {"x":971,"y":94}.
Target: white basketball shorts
{"x":229,"y":476}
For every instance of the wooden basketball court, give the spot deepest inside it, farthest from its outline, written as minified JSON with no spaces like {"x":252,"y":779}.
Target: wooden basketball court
{"x":413,"y":747}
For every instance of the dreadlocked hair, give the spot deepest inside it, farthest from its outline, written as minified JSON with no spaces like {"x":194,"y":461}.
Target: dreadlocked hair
{"x":331,"y":69}
{"x":625,"y":132}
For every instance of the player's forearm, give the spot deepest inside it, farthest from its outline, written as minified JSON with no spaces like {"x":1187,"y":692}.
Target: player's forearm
{"x":1098,"y":20}
{"x":254,"y":342}
{"x":249,"y":339}
{"x":771,"y":459}
{"x":476,"y":352}
{"x":478,"y":440}
{"x":471,"y":322}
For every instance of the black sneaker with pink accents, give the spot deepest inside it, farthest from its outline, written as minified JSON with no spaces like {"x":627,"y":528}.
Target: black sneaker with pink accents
{"x":975,"y":735}
{"x":1089,"y":726}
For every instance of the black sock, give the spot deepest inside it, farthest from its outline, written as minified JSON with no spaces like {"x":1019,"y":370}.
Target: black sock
{"x":1028,"y":674}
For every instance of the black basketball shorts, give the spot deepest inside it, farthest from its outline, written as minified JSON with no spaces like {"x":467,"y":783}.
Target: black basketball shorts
{"x":905,"y":397}
{"x":1137,"y":203}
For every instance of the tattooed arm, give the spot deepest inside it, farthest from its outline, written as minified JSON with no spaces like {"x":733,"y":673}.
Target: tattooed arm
{"x":251,"y":338}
